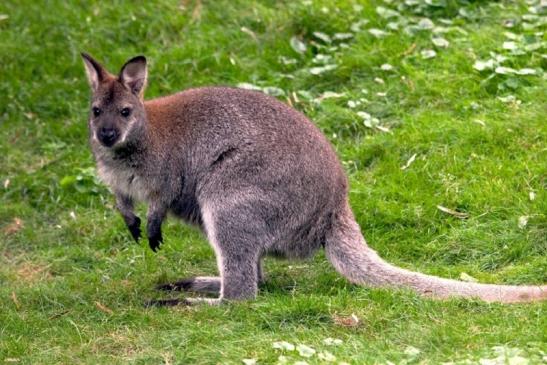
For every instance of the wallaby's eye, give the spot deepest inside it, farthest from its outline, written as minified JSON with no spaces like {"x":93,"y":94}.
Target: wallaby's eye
{"x":125,"y":112}
{"x":96,"y":111}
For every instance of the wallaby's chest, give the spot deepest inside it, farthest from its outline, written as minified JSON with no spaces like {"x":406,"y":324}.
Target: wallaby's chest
{"x":126,"y":180}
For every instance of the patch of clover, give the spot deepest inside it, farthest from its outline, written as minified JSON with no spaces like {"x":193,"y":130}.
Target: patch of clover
{"x":523,"y":43}
{"x":302,"y":354}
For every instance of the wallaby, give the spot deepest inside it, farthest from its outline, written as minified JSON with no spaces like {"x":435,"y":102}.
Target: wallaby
{"x":253,"y":173}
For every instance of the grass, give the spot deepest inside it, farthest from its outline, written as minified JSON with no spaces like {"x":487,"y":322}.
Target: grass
{"x":73,"y":283}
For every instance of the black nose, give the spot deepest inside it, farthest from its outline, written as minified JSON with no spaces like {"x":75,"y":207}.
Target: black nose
{"x":108,"y":136}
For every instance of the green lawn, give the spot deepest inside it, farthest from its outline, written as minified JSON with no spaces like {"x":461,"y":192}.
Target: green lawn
{"x":428,"y":103}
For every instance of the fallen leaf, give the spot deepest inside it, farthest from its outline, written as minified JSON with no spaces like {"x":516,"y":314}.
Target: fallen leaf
{"x":322,"y":36}
{"x":509,"y":23}
{"x":298,"y":45}
{"x":409,"y":50}
{"x":326,"y":356}
{"x":332,"y":341}
{"x":346,"y":321}
{"x":322,"y":58}
{"x":14,"y":227}
{"x":505,"y":70}
{"x":467,"y":278}
{"x":342,"y":36}
{"x":249,"y":32}
{"x":453,"y":212}
{"x":386,"y":13}
{"x":15,"y":300}
{"x":103,"y":308}
{"x":273,"y":91}
{"x":409,"y":162}
{"x":383,"y":129}
{"x":356,"y":27}
{"x":247,"y":86}
{"x":509,"y":45}
{"x":412,"y":351}
{"x":353,"y":104}
{"x":305,"y":351}
{"x":511,"y":35}
{"x":329,"y":95}
{"x":440,"y":42}
{"x":322,"y":69}
{"x":428,"y":53}
{"x":508,"y":99}
{"x":526,"y":71}
{"x":483,"y":65}
{"x":426,"y":24}
{"x":378,"y":33}
{"x":283,"y":345}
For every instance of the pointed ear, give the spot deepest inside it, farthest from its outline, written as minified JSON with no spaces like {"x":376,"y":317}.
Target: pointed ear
{"x":95,"y":72}
{"x":133,"y":75}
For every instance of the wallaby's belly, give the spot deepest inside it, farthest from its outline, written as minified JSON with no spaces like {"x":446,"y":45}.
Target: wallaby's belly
{"x":186,"y":208}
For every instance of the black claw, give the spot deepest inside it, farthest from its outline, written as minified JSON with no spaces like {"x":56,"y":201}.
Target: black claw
{"x":135,"y":229}
{"x":155,"y":241}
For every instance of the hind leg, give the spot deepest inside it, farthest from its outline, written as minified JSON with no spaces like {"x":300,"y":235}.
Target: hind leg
{"x":202,"y":284}
{"x":238,"y":237}
{"x":236,"y":240}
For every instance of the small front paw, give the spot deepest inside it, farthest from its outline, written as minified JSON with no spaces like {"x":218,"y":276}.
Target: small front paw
{"x":155,"y":241}
{"x":135,"y":229}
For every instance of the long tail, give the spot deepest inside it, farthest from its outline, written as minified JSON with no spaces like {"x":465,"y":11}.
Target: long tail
{"x":348,"y":252}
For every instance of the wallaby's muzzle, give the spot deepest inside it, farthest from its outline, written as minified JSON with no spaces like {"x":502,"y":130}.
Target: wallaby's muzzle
{"x":108,"y":136}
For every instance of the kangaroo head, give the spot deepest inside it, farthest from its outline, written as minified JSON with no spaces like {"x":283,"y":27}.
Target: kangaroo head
{"x":117,"y":112}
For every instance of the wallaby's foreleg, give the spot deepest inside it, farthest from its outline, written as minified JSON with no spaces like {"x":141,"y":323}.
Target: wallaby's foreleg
{"x":156,"y":215}
{"x":125,"y":206}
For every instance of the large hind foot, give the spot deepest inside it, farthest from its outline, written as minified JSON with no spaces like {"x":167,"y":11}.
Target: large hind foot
{"x":181,"y":301}
{"x":198,"y":284}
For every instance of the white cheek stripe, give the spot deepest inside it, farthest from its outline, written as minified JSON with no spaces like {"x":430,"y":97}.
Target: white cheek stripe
{"x":128,"y":127}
